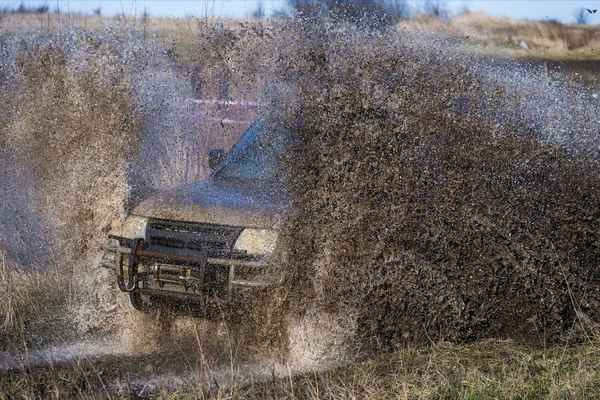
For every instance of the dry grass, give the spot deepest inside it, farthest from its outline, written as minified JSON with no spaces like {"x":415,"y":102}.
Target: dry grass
{"x":504,"y":36}
{"x":31,"y":304}
{"x":81,"y":380}
{"x":487,"y":34}
{"x":54,"y":21}
{"x":481,"y":370}
{"x":174,"y":32}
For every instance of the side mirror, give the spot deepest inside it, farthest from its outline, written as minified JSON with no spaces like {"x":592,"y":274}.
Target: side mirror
{"x":215,"y":156}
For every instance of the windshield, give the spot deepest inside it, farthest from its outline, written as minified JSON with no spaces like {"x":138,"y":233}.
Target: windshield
{"x":256,"y":156}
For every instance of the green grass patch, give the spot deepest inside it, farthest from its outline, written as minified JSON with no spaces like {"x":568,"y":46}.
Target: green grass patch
{"x":487,"y":369}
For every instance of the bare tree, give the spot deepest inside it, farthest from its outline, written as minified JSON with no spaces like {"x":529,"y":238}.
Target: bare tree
{"x":582,"y":16}
{"x":260,"y":11}
{"x":397,"y":9}
{"x":307,"y":8}
{"x":43,"y":9}
{"x":437,"y":9}
{"x":280,"y":12}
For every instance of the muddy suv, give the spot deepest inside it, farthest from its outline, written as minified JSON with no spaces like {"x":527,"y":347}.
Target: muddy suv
{"x":205,"y":242}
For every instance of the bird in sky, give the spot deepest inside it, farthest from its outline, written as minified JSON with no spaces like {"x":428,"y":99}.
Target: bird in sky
{"x":591,"y":11}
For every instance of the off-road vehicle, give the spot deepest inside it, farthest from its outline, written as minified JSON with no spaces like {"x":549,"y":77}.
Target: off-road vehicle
{"x":207,"y":241}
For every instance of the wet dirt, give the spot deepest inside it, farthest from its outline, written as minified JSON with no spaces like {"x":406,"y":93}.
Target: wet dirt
{"x":111,"y":368}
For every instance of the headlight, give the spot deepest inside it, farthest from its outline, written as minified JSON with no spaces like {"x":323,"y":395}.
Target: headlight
{"x":257,"y":241}
{"x":134,"y":227}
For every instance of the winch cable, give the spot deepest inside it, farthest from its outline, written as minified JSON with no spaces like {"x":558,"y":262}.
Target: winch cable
{"x":132,"y":283}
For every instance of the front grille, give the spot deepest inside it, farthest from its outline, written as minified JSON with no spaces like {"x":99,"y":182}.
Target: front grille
{"x":218,"y":240}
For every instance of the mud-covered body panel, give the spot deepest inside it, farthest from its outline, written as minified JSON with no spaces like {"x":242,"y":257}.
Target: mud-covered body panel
{"x":219,"y":202}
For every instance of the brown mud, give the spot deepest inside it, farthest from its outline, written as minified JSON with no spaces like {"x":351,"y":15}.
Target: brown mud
{"x":438,"y":196}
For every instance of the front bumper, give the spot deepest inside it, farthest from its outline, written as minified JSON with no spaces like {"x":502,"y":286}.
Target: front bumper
{"x":187,"y":275}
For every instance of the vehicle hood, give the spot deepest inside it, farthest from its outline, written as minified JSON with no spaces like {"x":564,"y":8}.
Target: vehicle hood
{"x":219,"y":202}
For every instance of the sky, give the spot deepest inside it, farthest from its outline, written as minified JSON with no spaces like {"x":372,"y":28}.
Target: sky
{"x":559,"y":10}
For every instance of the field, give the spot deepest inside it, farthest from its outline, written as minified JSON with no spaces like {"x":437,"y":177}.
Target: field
{"x":444,"y":241}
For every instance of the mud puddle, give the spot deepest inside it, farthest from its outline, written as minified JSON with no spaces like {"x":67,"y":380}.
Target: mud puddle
{"x":111,"y":368}
{"x":63,"y":354}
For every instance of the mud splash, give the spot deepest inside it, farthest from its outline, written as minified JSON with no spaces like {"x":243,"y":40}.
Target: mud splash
{"x":85,"y":113}
{"x":438,"y":194}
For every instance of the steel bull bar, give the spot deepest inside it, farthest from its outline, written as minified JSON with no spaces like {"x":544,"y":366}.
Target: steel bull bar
{"x":130,"y":252}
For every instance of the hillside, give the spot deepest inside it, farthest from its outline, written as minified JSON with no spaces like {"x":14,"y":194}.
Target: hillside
{"x":521,"y":38}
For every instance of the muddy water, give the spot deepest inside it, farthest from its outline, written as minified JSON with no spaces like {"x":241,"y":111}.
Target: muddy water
{"x":110,"y":366}
{"x":21,"y":223}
